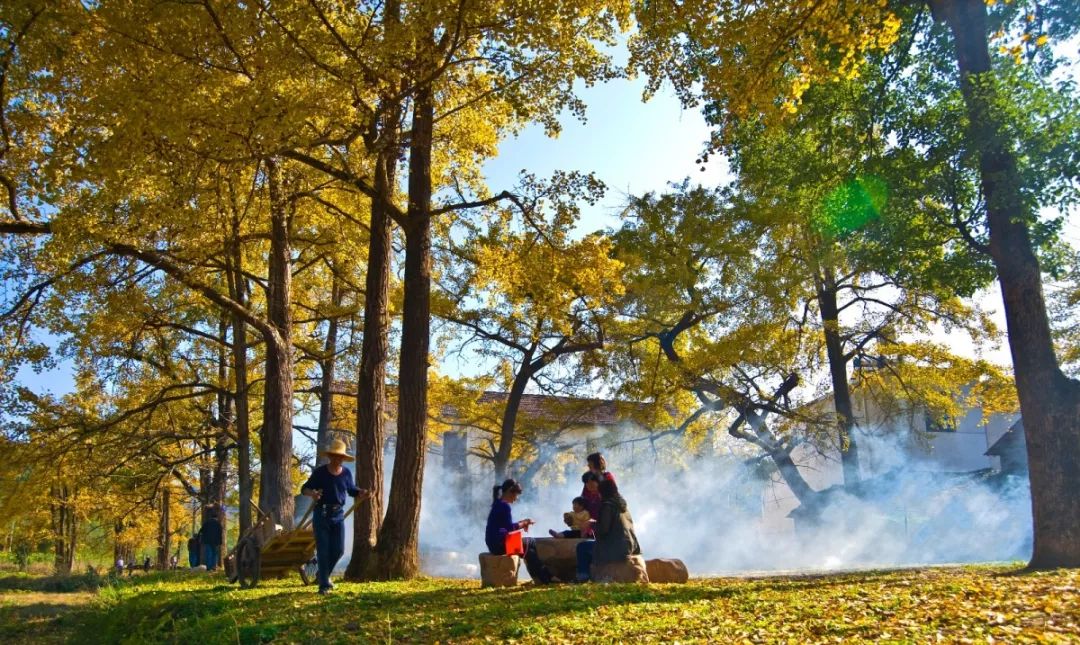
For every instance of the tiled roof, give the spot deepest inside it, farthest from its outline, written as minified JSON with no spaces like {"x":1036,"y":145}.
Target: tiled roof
{"x":542,"y":407}
{"x":601,"y":412}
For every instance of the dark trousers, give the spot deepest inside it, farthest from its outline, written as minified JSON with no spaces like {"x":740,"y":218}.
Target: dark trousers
{"x":329,"y":527}
{"x":584,"y":560}
{"x":210,"y":556}
{"x":537,"y":570}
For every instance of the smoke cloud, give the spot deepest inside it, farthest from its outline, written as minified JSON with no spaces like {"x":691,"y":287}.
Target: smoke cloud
{"x":718,"y":514}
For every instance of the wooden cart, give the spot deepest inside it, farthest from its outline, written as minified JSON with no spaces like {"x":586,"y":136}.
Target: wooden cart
{"x":268,"y":551}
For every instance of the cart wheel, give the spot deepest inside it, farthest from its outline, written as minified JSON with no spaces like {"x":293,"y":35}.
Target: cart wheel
{"x":309,"y":571}
{"x":230,"y":568}
{"x":248,"y":560}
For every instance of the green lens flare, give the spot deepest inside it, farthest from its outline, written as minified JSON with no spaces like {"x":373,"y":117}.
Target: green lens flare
{"x":851,"y":205}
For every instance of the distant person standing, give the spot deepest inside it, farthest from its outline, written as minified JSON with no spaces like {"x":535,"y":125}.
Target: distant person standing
{"x":211,"y":536}
{"x":327,"y":488}
{"x":146,"y":564}
{"x":193,"y":548}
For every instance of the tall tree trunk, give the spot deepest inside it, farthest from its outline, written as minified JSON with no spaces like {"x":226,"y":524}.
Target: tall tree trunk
{"x":275,"y":480}
{"x":397,"y":551}
{"x":371,"y":381}
{"x":375,"y":350}
{"x":165,"y":528}
{"x":834,"y":350}
{"x":1049,"y":401}
{"x":63,"y":528}
{"x":326,"y":382}
{"x":238,"y":292}
{"x":509,"y":420}
{"x":793,"y":477}
{"x":219,"y":479}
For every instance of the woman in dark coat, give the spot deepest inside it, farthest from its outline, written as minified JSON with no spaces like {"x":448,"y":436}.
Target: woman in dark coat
{"x":615,"y":537}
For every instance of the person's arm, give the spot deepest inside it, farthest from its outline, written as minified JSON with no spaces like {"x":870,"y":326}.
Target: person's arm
{"x":505,"y":520}
{"x":350,"y":487}
{"x":313,"y":486}
{"x":607,"y":521}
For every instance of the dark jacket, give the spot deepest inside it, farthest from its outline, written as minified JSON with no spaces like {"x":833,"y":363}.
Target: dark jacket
{"x":210,"y":533}
{"x":615,"y":537}
{"x":500,"y":521}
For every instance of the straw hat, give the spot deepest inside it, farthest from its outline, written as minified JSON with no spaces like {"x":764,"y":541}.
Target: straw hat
{"x":337,"y":447}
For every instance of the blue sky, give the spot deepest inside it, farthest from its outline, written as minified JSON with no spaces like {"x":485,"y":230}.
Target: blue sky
{"x":633,"y":147}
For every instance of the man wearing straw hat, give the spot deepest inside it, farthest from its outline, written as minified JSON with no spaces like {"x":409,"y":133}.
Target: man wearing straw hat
{"x":327,"y":488}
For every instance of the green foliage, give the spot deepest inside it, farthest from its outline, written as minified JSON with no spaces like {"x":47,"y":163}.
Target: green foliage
{"x":851,"y":206}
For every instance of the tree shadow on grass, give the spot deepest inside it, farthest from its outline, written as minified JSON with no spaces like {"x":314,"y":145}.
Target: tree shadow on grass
{"x":39,"y":617}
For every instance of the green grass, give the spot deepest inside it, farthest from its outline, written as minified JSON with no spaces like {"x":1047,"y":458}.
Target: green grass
{"x":916,"y":605}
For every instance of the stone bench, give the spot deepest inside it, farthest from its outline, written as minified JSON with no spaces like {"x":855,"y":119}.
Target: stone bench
{"x":667,"y":570}
{"x":499,"y":570}
{"x":559,"y":555}
{"x":632,"y":569}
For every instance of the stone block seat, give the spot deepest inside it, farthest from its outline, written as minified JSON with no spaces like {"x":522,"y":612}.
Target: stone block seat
{"x":632,"y":569}
{"x":667,"y":570}
{"x":499,"y":570}
{"x":559,"y":555}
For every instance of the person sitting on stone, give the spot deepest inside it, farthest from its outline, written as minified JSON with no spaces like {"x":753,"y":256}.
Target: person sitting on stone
{"x":500,"y":522}
{"x":590,"y":492}
{"x":615,"y":537}
{"x":597,"y":464}
{"x":579,"y":520}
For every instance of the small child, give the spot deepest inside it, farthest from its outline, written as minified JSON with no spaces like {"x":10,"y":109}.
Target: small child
{"x":578,"y":520}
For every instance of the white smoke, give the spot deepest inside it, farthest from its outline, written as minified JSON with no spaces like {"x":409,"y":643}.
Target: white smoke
{"x":714,"y":514}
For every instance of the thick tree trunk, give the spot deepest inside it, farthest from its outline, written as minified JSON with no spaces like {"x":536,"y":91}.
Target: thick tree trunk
{"x":397,"y":551}
{"x":375,"y":349}
{"x":219,"y":478}
{"x":1049,"y":401}
{"x":165,"y":529}
{"x":238,"y":292}
{"x":63,"y":528}
{"x":275,"y":481}
{"x":509,"y":420}
{"x":371,"y":381}
{"x":834,"y":350}
{"x":792,"y":477}
{"x":326,"y":382}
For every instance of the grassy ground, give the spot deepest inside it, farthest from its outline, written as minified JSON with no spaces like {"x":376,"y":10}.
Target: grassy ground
{"x":970,"y":604}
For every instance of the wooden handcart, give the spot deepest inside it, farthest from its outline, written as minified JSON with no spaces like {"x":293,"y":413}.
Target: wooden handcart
{"x":268,"y":551}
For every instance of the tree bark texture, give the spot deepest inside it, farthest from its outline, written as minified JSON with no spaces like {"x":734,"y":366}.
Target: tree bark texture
{"x":375,"y":347}
{"x":275,"y":481}
{"x":328,"y":365}
{"x":63,"y":528}
{"x":371,"y":380}
{"x":238,"y":292}
{"x":165,"y":528}
{"x":834,"y":351}
{"x":509,"y":420}
{"x":397,"y":552}
{"x":1049,"y":401}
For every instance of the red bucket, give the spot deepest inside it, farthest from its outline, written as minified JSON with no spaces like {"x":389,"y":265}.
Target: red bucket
{"x":514,"y":545}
